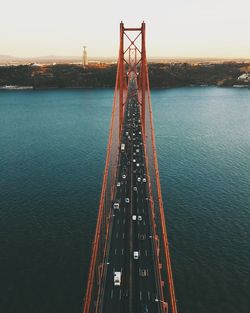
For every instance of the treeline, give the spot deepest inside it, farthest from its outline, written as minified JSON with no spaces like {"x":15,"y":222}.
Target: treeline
{"x":160,"y":75}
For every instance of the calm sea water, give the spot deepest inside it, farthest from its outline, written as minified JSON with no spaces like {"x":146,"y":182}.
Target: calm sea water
{"x":52,"y":155}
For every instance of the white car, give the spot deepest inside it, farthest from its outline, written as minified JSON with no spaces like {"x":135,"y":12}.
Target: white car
{"x":144,"y":180}
{"x":123,"y":176}
{"x":139,"y":179}
{"x":137,"y":164}
{"x":118,"y":184}
{"x":134,"y":160}
{"x":116,"y":206}
{"x":127,"y":200}
{"x":134,"y":217}
{"x":135,"y":188}
{"x":139,"y":218}
{"x":136,"y":255}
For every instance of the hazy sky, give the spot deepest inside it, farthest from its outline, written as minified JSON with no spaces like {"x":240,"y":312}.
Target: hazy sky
{"x":178,"y":28}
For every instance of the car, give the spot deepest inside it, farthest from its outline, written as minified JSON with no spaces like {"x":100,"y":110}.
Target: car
{"x":143,"y":272}
{"x":137,"y":150}
{"x":117,"y":278}
{"x":127,"y":200}
{"x":144,"y":180}
{"x":139,"y":133}
{"x":139,"y":179}
{"x":128,"y":163}
{"x":137,"y":164}
{"x":118,"y":184}
{"x":144,"y":308}
{"x":142,"y":236}
{"x":123,"y":176}
{"x":136,"y":255}
{"x":135,"y":188}
{"x":134,"y":217}
{"x":116,"y":206}
{"x":139,"y":218}
{"x":134,"y":160}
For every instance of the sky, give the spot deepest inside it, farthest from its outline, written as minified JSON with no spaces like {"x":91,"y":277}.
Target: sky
{"x":177,"y":28}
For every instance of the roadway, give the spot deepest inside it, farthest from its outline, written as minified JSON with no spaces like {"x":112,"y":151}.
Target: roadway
{"x":139,"y":284}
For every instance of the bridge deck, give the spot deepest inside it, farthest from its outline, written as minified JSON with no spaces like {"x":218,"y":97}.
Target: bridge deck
{"x":139,"y":283}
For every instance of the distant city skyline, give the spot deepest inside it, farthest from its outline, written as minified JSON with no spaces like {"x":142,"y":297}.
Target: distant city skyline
{"x":179,"y":29}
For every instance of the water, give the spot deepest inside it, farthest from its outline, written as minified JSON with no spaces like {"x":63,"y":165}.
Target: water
{"x":52,"y":156}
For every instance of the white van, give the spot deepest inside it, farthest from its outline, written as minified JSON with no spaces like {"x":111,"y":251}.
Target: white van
{"x":117,"y":278}
{"x":122,"y":147}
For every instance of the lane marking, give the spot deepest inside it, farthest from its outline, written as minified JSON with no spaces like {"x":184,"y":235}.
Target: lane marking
{"x":118,"y":221}
{"x":122,"y":251}
{"x":148,"y":295}
{"x":120,"y":294}
{"x":123,"y":235}
{"x":111,"y":295}
{"x":146,"y":252}
{"x":140,"y":296}
{"x":115,"y":251}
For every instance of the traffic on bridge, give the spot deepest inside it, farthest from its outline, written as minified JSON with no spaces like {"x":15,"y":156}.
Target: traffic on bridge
{"x":130,"y":269}
{"x":131,"y":281}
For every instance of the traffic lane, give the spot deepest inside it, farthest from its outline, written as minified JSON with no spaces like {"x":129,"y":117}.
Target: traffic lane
{"x":152,"y":273}
{"x":147,"y":284}
{"x":116,"y":255}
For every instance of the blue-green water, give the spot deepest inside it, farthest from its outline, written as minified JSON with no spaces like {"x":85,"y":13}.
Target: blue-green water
{"x":52,"y":155}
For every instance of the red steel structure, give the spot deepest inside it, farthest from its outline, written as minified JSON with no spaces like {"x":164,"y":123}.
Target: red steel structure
{"x":132,"y":61}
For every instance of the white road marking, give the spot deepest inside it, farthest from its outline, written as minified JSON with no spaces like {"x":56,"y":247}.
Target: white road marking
{"x":120,"y":294}
{"x":118,"y":221}
{"x":111,"y":295}
{"x":122,"y":251}
{"x":148,"y":295}
{"x":140,"y":296}
{"x":146,"y":252}
{"x":115,"y":251}
{"x":123,"y":235}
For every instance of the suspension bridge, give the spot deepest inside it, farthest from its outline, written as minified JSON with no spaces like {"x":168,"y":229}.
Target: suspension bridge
{"x":130,"y":268}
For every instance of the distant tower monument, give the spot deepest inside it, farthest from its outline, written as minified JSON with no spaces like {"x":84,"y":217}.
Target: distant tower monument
{"x":85,"y":57}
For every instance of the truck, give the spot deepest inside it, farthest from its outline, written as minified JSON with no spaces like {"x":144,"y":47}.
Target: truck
{"x":117,"y":278}
{"x":122,"y":147}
